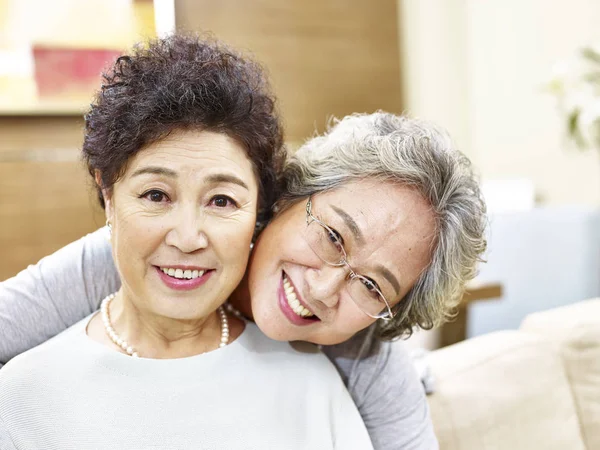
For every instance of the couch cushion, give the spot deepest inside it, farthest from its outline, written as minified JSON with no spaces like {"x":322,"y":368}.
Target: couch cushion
{"x":503,"y":390}
{"x":577,"y":329}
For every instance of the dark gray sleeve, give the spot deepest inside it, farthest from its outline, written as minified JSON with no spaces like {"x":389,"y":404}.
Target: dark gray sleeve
{"x":58,"y":291}
{"x":384,"y":384}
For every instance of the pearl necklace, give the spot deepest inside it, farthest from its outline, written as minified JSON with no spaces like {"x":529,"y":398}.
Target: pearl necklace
{"x":110,"y":331}
{"x":236,"y":312}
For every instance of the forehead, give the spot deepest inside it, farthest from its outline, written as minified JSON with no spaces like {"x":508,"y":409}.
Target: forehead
{"x":396,"y":222}
{"x":378,"y":207}
{"x":190,"y":151}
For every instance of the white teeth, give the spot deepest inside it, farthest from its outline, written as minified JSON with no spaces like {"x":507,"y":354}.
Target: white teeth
{"x":292,"y":299}
{"x":182,"y":274}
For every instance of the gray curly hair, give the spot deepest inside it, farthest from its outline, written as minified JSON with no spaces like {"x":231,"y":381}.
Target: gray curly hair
{"x":400,"y":149}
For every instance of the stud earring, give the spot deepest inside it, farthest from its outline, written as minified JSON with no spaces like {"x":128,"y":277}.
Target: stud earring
{"x":109,"y":226}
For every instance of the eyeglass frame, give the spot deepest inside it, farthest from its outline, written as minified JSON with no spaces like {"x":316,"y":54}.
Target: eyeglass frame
{"x":344,"y":262}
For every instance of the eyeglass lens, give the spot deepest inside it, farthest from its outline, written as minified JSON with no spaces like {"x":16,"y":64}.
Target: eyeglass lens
{"x":327,"y":246}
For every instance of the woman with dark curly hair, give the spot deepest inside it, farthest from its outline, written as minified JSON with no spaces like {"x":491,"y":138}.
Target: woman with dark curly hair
{"x":185,"y":145}
{"x":379,"y":225}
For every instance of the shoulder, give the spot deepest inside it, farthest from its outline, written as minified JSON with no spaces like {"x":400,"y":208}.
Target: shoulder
{"x":41,"y":362}
{"x":383,"y":382}
{"x":293,"y":350}
{"x":367,"y":364}
{"x":364,"y":349}
{"x":298,"y":356}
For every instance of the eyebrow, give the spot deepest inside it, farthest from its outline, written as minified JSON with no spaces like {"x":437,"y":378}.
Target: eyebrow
{"x":353,"y":226}
{"x":226,"y":178}
{"x":350,"y":223}
{"x":213,"y":179}
{"x":390,"y":277}
{"x":155,"y":170}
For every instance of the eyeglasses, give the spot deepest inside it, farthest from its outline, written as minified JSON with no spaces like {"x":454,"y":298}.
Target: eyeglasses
{"x":327,"y":245}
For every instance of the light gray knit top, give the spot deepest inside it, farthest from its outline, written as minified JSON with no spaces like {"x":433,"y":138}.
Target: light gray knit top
{"x":66,"y":286}
{"x":256,"y":393}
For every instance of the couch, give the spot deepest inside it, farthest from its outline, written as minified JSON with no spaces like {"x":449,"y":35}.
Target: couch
{"x":528,"y":253}
{"x":537,"y":387}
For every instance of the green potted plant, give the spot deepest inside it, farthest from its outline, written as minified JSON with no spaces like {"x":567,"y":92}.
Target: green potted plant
{"x":576,"y":85}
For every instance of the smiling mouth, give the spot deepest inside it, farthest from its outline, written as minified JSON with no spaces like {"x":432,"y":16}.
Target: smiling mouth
{"x":181,"y":274}
{"x":291,"y":297}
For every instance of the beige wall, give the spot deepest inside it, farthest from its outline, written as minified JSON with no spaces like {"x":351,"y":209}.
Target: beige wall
{"x":477,"y":67}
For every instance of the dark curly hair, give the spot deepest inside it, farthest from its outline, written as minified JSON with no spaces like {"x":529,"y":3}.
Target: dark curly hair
{"x":184,"y":82}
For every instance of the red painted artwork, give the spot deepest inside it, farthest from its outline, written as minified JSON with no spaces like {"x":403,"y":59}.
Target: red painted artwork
{"x":70,"y":71}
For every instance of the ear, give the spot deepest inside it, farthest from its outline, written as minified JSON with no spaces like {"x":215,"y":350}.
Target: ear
{"x":106,"y":195}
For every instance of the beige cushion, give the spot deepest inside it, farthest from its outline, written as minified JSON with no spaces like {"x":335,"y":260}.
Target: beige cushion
{"x":577,"y":329}
{"x":504,"y":390}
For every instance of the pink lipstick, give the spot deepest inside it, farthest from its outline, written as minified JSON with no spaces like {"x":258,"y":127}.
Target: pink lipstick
{"x":183,"y":284}
{"x":287,"y":310}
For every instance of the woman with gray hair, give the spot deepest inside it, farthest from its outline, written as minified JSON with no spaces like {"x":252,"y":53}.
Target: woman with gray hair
{"x":379,"y":226}
{"x":440,"y":231}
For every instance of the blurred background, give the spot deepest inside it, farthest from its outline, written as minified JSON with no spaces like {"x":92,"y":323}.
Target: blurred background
{"x":516,"y":83}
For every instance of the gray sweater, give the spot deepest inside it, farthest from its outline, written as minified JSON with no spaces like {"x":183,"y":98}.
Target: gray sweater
{"x":68,"y":285}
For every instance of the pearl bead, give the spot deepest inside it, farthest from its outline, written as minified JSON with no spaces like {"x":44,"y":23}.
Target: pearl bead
{"x":117,"y":340}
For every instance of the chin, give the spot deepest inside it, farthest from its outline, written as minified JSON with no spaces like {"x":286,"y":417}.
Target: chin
{"x":267,"y":324}
{"x":327,"y":340}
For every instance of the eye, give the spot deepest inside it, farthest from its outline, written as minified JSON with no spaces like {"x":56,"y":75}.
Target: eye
{"x":223,"y":201}
{"x":372,"y":287}
{"x":335,"y":238}
{"x":155,"y":196}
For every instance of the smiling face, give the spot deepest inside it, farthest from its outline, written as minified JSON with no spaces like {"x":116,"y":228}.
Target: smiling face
{"x":182,"y":216}
{"x":387,"y":231}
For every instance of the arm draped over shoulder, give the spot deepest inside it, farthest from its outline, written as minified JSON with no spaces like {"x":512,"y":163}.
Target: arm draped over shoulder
{"x":384,"y":384}
{"x":58,"y":291}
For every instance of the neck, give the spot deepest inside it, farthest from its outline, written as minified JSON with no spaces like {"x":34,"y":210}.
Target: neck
{"x":155,"y":336}
{"x":240,"y":298}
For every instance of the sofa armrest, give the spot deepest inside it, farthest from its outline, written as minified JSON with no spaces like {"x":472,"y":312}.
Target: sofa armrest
{"x":503,"y":390}
{"x":576,"y":329}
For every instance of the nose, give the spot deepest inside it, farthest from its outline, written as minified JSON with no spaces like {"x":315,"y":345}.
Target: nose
{"x":187,"y":230}
{"x":326,"y":284}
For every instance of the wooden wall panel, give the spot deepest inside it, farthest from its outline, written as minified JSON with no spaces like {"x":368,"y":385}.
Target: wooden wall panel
{"x":325,"y":56}
{"x":39,"y":133}
{"x":46,"y":200}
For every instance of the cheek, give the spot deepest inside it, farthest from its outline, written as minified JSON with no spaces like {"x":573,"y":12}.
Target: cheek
{"x":136,"y":234}
{"x":231,"y":242}
{"x":230,"y":237}
{"x":357,"y":321}
{"x":350,"y":321}
{"x":263,"y":255}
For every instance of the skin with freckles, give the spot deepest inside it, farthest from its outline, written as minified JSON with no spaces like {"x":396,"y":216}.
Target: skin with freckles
{"x":187,"y":201}
{"x":388,"y":232}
